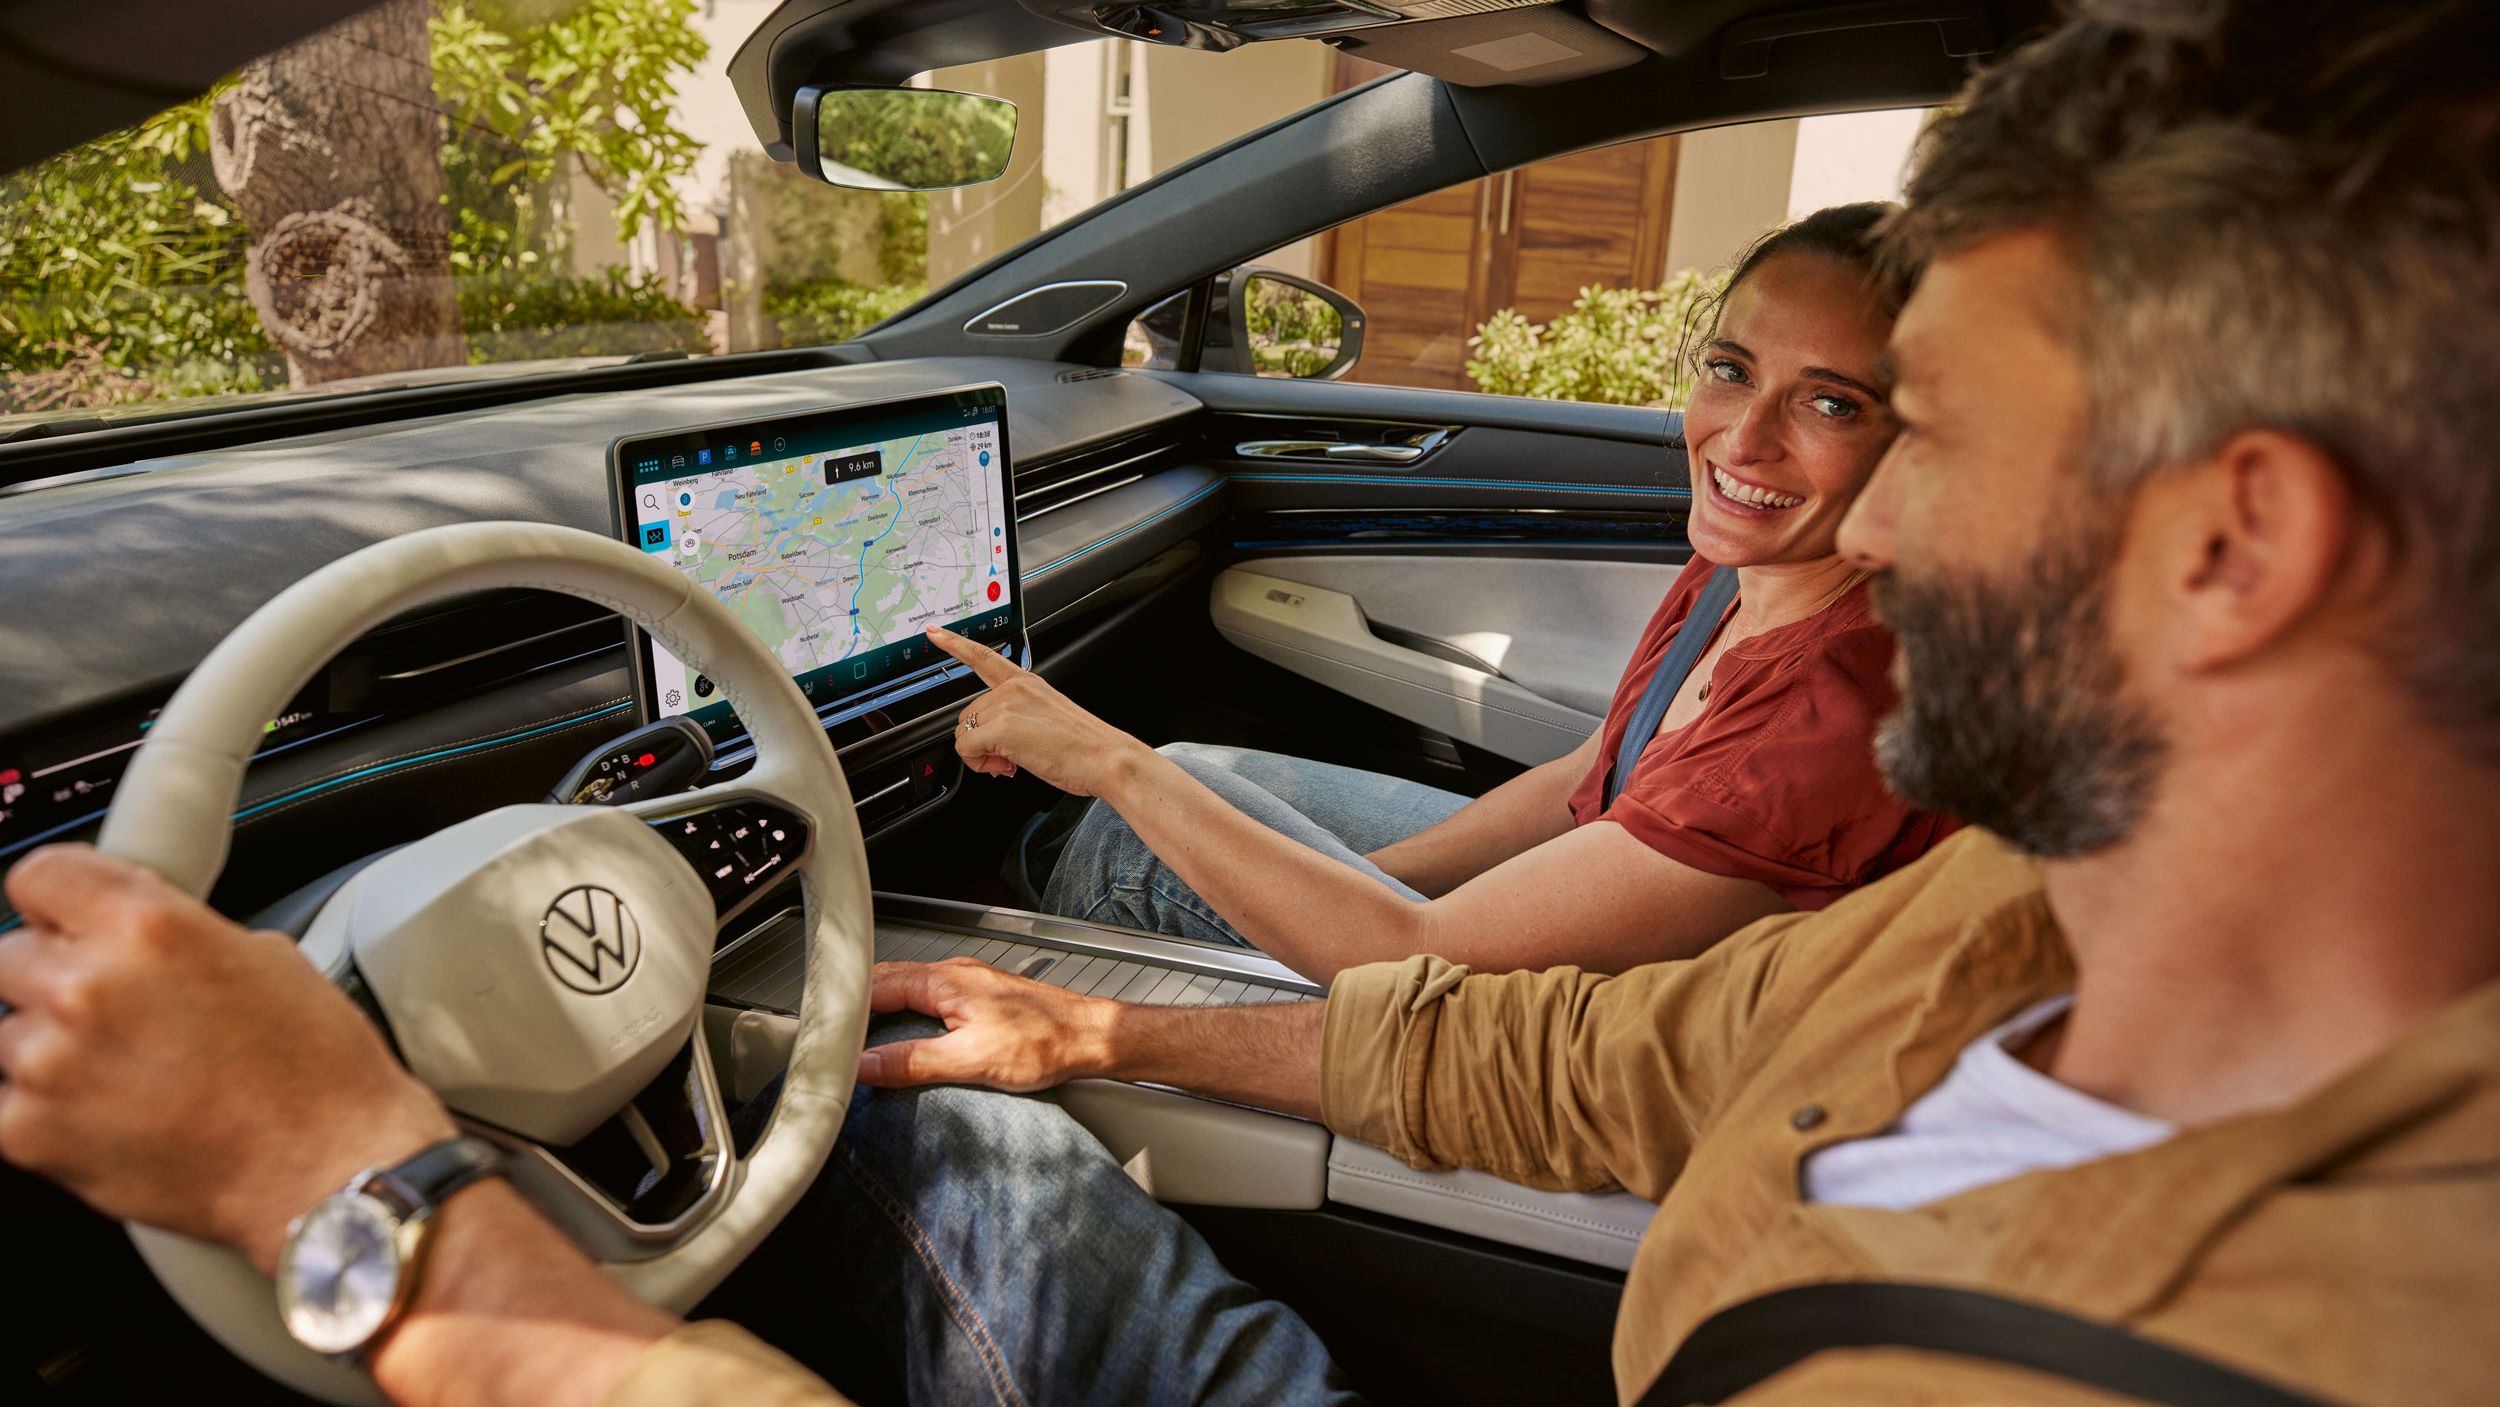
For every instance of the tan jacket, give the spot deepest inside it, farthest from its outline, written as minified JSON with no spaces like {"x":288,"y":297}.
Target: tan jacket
{"x":2348,"y":1244}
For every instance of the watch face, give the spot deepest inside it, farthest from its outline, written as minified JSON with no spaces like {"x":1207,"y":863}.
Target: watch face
{"x":339,"y":1273}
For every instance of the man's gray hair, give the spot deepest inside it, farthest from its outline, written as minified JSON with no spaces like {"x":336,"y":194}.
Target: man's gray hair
{"x":2286,"y":215}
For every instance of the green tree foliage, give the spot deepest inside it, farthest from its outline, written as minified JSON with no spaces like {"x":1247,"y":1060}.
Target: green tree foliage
{"x":521,"y":315}
{"x":1623,"y":346}
{"x":526,"y":101}
{"x":813,"y":314}
{"x":121,"y":263}
{"x":121,"y":274}
{"x":593,"y":82}
{"x":832,"y":263}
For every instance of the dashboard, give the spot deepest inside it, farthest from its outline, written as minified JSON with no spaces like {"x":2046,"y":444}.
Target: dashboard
{"x":118,"y":582}
{"x":117,"y":579}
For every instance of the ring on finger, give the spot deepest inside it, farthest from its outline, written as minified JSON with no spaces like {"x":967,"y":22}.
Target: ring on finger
{"x":971,"y":722}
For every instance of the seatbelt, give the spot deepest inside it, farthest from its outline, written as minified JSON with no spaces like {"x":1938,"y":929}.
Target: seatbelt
{"x":1674,"y":667}
{"x":1747,"y":1343}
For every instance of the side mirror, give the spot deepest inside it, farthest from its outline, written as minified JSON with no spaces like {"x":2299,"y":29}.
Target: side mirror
{"x":901,"y":139}
{"x":1267,"y":323}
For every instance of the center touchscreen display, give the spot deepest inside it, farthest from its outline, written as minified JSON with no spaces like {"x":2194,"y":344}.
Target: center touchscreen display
{"x":835,"y":536}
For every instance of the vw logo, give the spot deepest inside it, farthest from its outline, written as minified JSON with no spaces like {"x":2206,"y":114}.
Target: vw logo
{"x":590,"y":940}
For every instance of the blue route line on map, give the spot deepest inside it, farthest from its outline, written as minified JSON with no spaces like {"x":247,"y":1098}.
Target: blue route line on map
{"x":881,"y":532}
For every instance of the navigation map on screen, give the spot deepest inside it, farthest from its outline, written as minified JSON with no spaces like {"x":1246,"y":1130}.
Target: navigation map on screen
{"x":835,"y":543}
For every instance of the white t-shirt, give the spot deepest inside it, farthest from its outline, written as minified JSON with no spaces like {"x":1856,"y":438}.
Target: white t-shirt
{"x":1992,"y":1118}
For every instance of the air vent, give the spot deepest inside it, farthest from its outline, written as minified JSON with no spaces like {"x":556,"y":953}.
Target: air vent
{"x":1072,"y":478}
{"x":1090,"y":373}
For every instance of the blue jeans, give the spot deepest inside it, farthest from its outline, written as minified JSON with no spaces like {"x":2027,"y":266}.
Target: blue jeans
{"x":1007,"y":1259}
{"x":1107,"y":875}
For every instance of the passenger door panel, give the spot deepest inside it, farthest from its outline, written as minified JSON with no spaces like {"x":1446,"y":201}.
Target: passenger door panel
{"x":1516,"y":655}
{"x":1486,"y":591}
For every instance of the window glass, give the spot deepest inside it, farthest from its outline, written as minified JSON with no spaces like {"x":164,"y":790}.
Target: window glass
{"x":1571,"y":279}
{"x":443,"y":188}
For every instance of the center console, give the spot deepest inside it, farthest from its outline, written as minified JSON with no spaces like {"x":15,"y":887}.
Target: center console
{"x":1180,"y":1147}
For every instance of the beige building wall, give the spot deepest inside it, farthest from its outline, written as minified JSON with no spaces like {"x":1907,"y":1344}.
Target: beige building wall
{"x":1852,"y":156}
{"x":1076,"y":80}
{"x":1731,"y":184}
{"x":1182,"y":103}
{"x":1197,"y":101}
{"x":970,"y":225}
{"x":708,"y":109}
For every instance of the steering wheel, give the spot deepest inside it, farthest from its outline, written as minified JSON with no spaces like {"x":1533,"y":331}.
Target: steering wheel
{"x":543,"y":967}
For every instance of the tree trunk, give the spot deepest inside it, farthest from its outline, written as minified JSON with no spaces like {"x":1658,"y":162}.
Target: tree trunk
{"x":332,"y":149}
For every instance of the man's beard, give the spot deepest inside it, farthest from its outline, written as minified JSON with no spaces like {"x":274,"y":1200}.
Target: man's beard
{"x":2014,"y":715}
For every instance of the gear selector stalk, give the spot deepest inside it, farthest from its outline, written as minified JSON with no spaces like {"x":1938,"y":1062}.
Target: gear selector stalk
{"x":650,"y":761}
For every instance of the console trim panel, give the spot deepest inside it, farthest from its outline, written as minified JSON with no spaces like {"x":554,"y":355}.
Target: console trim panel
{"x":1075,"y":935}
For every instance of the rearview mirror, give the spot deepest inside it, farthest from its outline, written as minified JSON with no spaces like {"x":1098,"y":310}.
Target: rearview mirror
{"x":902,"y":139}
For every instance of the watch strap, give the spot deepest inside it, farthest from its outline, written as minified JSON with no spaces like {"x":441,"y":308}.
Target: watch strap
{"x":422,"y":1182}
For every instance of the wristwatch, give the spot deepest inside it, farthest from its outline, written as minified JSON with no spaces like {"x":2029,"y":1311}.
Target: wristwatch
{"x":350,"y":1264}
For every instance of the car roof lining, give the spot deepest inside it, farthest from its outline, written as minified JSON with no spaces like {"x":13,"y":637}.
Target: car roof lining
{"x":833,"y":42}
{"x":74,"y":69}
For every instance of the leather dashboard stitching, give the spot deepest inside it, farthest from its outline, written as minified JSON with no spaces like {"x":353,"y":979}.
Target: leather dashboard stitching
{"x":1529,"y":1209}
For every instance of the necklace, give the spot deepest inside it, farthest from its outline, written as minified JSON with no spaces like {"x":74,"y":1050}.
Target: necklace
{"x":1827,"y":603}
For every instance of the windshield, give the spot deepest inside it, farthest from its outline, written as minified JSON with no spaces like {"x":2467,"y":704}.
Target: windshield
{"x":442,"y":189}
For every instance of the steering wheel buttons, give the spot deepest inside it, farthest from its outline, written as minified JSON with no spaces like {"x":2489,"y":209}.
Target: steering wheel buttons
{"x":740,"y":848}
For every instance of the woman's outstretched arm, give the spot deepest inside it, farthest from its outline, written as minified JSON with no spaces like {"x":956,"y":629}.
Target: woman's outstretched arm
{"x":1596,"y":897}
{"x":1512,"y":819}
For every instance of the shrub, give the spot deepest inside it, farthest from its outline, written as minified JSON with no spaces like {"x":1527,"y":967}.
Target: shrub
{"x":1622,"y":346}
{"x":520,"y":315}
{"x":121,"y":275}
{"x":830,"y":310}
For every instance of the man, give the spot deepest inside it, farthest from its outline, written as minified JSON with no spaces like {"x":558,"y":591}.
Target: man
{"x":2190,"y":546}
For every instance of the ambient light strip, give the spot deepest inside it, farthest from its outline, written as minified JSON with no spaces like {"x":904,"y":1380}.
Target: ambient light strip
{"x":315,"y":788}
{"x":1358,"y":480}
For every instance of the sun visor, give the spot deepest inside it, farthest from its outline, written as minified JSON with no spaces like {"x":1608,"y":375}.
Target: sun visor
{"x":1526,"y":46}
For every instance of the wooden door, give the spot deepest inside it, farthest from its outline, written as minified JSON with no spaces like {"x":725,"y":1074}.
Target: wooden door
{"x":1415,"y":269}
{"x":1598,"y":217}
{"x":1428,"y":272}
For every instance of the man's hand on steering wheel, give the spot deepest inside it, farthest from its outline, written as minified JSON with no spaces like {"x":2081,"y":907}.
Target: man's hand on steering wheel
{"x":173,"y":1068}
{"x":1024,"y":722}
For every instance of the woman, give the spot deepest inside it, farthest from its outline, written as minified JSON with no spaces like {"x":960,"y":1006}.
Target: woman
{"x":1754,"y":794}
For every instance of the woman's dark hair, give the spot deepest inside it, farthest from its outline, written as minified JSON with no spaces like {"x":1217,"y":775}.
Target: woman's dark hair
{"x":1846,"y":234}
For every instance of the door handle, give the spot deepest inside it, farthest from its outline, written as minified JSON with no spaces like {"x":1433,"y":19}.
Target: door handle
{"x":1338,"y":450}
